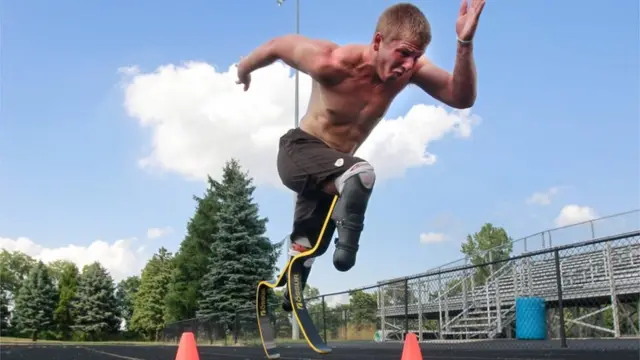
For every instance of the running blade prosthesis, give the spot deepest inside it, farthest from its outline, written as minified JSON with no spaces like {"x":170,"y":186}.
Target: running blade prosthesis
{"x":293,"y":271}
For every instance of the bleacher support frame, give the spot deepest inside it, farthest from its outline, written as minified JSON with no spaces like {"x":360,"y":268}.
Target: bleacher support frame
{"x":602,"y":272}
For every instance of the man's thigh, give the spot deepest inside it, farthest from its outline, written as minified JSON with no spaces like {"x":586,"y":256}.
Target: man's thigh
{"x":306,"y":164}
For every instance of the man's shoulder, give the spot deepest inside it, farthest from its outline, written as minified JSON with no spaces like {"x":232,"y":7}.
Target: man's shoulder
{"x":336,"y":61}
{"x":349,"y":55}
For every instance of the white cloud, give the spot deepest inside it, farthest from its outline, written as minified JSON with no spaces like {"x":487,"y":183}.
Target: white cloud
{"x":119,"y":258}
{"x":199,"y":118}
{"x":154,"y":233}
{"x":543,"y":198}
{"x":430,"y":238}
{"x":572,"y":214}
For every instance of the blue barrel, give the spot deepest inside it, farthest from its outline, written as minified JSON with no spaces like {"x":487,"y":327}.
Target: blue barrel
{"x":531,"y":320}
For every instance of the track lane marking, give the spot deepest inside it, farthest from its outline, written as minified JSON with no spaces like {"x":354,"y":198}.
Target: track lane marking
{"x":110,"y":354}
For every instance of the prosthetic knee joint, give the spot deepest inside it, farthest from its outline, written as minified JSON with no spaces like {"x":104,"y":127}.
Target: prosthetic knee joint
{"x":355,"y":187}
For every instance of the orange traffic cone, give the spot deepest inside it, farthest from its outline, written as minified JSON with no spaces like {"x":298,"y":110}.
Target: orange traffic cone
{"x":187,"y":350}
{"x":411,"y":349}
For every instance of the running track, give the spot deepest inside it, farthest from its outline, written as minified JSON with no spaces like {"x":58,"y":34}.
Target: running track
{"x":583,"y":350}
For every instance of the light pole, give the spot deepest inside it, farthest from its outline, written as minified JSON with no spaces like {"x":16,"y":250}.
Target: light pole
{"x":296,"y":111}
{"x":295,"y":331}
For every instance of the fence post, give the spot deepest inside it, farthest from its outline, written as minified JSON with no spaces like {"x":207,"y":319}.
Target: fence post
{"x":324,"y":320}
{"x":236,"y":329}
{"x":406,"y":307}
{"x":563,"y":336}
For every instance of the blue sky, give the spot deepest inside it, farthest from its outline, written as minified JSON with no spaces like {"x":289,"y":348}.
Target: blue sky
{"x":557,"y":94}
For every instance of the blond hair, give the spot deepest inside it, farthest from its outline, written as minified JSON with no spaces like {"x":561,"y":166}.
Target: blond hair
{"x":404,"y":21}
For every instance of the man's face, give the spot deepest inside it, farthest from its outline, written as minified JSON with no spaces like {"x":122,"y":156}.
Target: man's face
{"x":396,"y":58}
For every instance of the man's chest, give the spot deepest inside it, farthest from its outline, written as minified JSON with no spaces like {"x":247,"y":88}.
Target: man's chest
{"x":358,"y":99}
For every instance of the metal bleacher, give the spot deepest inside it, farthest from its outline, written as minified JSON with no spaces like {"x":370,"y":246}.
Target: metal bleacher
{"x":468,"y":306}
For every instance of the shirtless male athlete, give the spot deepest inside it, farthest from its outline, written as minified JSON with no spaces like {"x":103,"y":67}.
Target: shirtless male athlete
{"x":352,"y":88}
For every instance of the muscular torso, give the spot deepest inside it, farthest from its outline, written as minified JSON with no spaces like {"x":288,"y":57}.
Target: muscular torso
{"x":343,"y":114}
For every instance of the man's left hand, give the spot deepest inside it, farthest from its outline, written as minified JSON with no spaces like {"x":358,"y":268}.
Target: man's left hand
{"x":468,"y":19}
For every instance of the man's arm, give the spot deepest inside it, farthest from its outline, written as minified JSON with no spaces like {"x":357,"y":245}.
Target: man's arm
{"x":457,"y":90}
{"x":312,"y":57}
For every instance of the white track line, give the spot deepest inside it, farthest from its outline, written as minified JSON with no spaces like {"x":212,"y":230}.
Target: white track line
{"x":110,"y":354}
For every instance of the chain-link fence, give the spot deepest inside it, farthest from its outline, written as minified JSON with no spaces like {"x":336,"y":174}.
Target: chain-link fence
{"x":583,"y":290}
{"x":586,"y":290}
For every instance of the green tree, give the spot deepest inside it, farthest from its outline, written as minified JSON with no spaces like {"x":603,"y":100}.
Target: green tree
{"x":57,"y":267}
{"x":241,"y":255}
{"x":35,"y":302}
{"x":95,"y":304}
{"x":192,"y":259}
{"x":312,"y":300}
{"x":282,"y":320}
{"x":363,"y":309}
{"x":148,"y":306}
{"x":311,"y":295}
{"x":337,"y":320}
{"x":4,"y":313}
{"x":394,"y":294}
{"x":125,"y":295}
{"x":68,"y":275}
{"x":489,"y":244}
{"x":14,"y":268}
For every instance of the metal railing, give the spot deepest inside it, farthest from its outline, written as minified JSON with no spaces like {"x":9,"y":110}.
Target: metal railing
{"x":586,"y":230}
{"x":589,"y":289}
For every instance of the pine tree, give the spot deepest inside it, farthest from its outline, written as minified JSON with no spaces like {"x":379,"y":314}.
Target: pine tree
{"x":67,"y":274}
{"x":125,"y":294}
{"x":241,"y":255}
{"x":95,"y":304}
{"x":192,"y":259}
{"x":148,"y":310}
{"x":36,"y":301}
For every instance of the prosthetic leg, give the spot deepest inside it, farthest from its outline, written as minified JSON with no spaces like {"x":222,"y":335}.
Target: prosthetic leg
{"x":298,"y":245}
{"x":355,"y":187}
{"x":294,"y":275}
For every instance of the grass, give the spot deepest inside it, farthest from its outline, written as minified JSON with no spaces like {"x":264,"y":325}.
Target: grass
{"x":352,"y":333}
{"x":5,"y":340}
{"x":343,"y":335}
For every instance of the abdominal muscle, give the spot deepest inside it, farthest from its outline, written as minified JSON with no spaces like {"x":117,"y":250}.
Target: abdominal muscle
{"x":345,"y":138}
{"x":344,"y":116}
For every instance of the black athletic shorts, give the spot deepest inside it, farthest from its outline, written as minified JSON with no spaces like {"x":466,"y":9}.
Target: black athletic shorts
{"x":305,"y":165}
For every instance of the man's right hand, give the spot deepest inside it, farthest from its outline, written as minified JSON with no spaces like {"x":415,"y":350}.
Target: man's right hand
{"x":243,"y":78}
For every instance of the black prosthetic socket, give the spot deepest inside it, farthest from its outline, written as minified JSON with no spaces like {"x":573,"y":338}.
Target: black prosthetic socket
{"x":349,"y":218}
